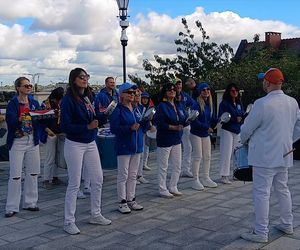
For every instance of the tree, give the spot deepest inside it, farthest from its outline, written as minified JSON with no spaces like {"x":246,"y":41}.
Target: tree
{"x":192,"y":59}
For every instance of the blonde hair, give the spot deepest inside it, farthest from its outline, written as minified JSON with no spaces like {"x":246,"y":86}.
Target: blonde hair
{"x":201,"y":103}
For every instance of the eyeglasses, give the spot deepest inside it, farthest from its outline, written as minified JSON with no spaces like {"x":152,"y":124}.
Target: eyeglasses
{"x":171,"y":89}
{"x":129,"y":92}
{"x":84,"y":77}
{"x":207,"y":89}
{"x":137,"y":95}
{"x":27,"y":86}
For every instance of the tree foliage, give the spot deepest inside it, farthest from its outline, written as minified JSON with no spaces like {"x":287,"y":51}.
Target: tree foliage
{"x":196,"y":60}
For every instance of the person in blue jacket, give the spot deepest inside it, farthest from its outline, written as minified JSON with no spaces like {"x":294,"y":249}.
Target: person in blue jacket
{"x":201,"y":128}
{"x":230,"y":131}
{"x":104,"y":98}
{"x":79,"y":123}
{"x":49,"y":136}
{"x":125,"y":124}
{"x":23,"y":145}
{"x":187,"y":102}
{"x":170,"y":118}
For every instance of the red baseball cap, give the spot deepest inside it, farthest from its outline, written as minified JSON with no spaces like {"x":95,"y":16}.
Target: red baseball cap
{"x":274,"y":76}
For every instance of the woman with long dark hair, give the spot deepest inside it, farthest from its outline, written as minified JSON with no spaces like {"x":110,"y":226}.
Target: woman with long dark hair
{"x":22,"y":142}
{"x":170,"y":119}
{"x":230,"y":131}
{"x":78,"y":121}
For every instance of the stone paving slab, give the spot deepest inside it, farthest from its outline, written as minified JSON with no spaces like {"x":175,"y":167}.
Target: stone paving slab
{"x":209,"y":219}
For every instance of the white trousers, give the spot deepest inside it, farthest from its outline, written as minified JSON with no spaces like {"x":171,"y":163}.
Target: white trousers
{"x":143,"y":159}
{"x":127,"y":172}
{"x":187,"y":149}
{"x":201,"y":152}
{"x":78,"y":154}
{"x":50,"y":167}
{"x":228,"y":141}
{"x":168,"y":156}
{"x":23,"y":152}
{"x":262,"y":183}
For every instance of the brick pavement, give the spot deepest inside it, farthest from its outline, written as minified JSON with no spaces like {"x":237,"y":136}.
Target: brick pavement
{"x":210,"y":219}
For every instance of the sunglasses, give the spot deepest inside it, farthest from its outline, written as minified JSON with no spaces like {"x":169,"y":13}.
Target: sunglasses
{"x":129,"y":92}
{"x":171,"y":89}
{"x":27,"y":86}
{"x":84,"y":77}
{"x":207,"y":89}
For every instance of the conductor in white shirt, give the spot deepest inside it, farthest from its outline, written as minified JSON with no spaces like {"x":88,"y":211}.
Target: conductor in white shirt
{"x":270,"y":129}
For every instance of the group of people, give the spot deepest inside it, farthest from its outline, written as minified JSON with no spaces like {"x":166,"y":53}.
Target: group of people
{"x":183,"y":145}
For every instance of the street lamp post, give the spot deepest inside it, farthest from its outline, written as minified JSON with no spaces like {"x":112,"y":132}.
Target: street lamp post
{"x":123,"y":5}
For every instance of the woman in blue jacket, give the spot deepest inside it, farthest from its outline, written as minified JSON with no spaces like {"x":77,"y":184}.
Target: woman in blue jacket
{"x":79,"y":123}
{"x":230,"y":132}
{"x":125,"y":124}
{"x":22,"y":142}
{"x":170,"y":119}
{"x":200,"y":139}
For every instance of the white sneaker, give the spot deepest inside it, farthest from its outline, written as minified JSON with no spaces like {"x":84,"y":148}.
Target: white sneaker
{"x":166,"y":194}
{"x":81,"y":195}
{"x":254,"y":237}
{"x":133,"y":205}
{"x":225,"y":180}
{"x":124,"y":209}
{"x":285,"y":229}
{"x":187,"y":173}
{"x":142,"y":180}
{"x":71,"y":228}
{"x":146,"y":168}
{"x":99,"y":220}
{"x":207,"y":182}
{"x":197,"y":185}
{"x":175,"y":192}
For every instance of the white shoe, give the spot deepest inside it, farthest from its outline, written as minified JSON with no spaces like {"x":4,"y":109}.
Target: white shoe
{"x":166,"y":194}
{"x":81,"y":195}
{"x":100,"y":220}
{"x":133,"y":205}
{"x":225,"y":180}
{"x":254,"y":237}
{"x":175,"y":192}
{"x":124,"y":209}
{"x":187,"y":173}
{"x":146,"y":168}
{"x":197,"y":185}
{"x":142,"y":180}
{"x":285,"y":229}
{"x":207,"y":182}
{"x":71,"y":228}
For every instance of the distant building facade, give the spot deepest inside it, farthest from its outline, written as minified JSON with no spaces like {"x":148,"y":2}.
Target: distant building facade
{"x":273,"y":40}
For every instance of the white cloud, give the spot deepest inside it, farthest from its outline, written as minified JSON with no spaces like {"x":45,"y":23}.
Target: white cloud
{"x":70,"y":33}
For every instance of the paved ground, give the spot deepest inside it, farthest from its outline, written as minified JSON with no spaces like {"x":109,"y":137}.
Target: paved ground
{"x":210,"y":219}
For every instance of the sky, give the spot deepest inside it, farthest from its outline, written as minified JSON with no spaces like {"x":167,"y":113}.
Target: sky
{"x":51,"y":37}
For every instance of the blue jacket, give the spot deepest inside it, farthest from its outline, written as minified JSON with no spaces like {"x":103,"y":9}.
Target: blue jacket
{"x":75,"y":116}
{"x":12,"y":120}
{"x":128,"y":142}
{"x":102,"y":100}
{"x":165,"y":115}
{"x":204,"y":121}
{"x":186,"y":100}
{"x":235,"y":111}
